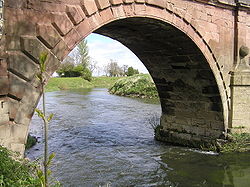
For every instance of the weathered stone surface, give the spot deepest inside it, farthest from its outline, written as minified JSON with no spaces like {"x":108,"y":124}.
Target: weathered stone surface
{"x":48,"y":35}
{"x":22,"y":66}
{"x":116,"y":2}
{"x":62,"y":23}
{"x":128,"y":1}
{"x":89,"y":7}
{"x":4,"y":111}
{"x":4,"y":85}
{"x":101,"y":4}
{"x":61,"y":50}
{"x":75,"y":14}
{"x":16,"y":86}
{"x":160,"y":3}
{"x":32,"y":48}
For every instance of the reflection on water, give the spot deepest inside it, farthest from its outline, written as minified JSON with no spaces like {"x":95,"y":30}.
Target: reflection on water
{"x":104,"y":139}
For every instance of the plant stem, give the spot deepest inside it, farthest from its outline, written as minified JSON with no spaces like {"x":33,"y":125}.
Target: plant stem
{"x":45,"y":139}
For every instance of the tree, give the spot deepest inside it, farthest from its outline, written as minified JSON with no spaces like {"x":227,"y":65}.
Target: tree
{"x":113,"y":69}
{"x":131,"y":71}
{"x":83,"y":53}
{"x":124,"y":69}
{"x":66,"y":67}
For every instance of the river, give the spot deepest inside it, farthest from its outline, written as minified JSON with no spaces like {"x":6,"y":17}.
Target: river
{"x":105,"y":140}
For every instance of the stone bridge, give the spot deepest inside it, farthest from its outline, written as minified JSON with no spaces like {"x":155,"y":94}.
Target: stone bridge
{"x":195,"y":50}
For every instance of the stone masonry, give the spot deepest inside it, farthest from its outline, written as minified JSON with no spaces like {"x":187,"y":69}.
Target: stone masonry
{"x":195,"y":50}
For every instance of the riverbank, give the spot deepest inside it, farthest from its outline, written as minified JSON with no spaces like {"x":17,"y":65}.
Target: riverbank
{"x":141,"y":86}
{"x":238,"y":142}
{"x":69,"y":83}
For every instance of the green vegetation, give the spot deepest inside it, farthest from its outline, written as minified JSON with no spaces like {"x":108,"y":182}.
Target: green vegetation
{"x":238,"y":142}
{"x":43,"y":175}
{"x":16,"y":172}
{"x":140,"y":85}
{"x":31,"y":141}
{"x":131,"y":71}
{"x":78,"y":66}
{"x":69,"y":83}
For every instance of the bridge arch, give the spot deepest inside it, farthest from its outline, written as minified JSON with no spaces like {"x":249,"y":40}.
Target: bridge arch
{"x":183,"y":66}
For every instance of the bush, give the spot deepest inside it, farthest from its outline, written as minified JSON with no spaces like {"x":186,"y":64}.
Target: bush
{"x":31,"y":141}
{"x":87,"y":74}
{"x":135,"y":86}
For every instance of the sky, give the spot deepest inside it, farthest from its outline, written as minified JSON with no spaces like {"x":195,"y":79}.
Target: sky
{"x":102,"y":49}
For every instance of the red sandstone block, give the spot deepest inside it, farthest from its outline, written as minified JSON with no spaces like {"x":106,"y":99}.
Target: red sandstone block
{"x":160,"y":3}
{"x":116,"y":2}
{"x":118,"y":11}
{"x":48,"y":35}
{"x":154,"y":11}
{"x":13,"y":107}
{"x":128,"y":1}
{"x":16,"y":86}
{"x":4,"y":85}
{"x":188,"y":17}
{"x":52,"y":65}
{"x":75,"y":13}
{"x":61,"y":50}
{"x":89,"y":7}
{"x":3,"y":67}
{"x":140,"y":9}
{"x":72,"y":38}
{"x":62,"y":24}
{"x":106,"y":15}
{"x":101,"y":4}
{"x":95,"y":21}
{"x":129,"y":10}
{"x":23,"y":65}
{"x":140,"y":1}
{"x":84,"y":28}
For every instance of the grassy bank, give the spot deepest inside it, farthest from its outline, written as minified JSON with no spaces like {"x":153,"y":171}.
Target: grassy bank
{"x":68,"y":83}
{"x":238,"y":142}
{"x":140,"y":85}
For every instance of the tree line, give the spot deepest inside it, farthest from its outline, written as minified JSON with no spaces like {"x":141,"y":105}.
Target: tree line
{"x":79,"y":64}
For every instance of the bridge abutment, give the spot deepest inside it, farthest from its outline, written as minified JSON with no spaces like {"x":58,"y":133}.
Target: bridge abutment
{"x":240,"y":94}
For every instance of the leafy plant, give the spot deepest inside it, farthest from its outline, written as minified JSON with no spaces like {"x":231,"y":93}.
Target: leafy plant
{"x":16,"y":172}
{"x":44,"y":174}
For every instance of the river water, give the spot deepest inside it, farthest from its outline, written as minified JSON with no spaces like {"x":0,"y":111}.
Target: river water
{"x":105,"y":140}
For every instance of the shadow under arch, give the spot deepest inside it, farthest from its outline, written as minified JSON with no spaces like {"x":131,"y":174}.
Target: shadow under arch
{"x":192,"y":109}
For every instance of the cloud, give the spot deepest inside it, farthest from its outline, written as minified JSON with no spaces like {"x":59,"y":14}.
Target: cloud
{"x":102,"y":49}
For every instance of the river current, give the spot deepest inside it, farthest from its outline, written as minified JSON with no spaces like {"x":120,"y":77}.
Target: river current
{"x":105,"y":140}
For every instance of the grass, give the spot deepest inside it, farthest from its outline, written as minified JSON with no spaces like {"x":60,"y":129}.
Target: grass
{"x":69,"y":83}
{"x":239,"y":142}
{"x":140,"y":85}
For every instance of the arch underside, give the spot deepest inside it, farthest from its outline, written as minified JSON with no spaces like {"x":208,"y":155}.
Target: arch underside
{"x":192,"y":110}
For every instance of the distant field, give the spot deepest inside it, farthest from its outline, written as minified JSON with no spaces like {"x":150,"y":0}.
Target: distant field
{"x":68,"y":83}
